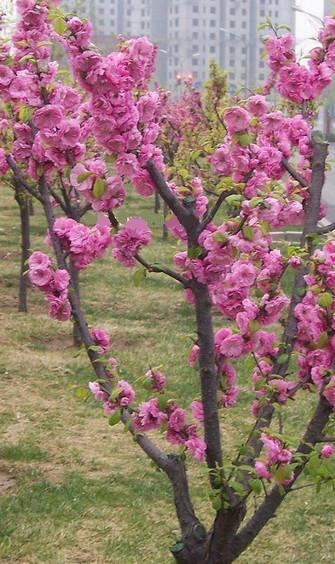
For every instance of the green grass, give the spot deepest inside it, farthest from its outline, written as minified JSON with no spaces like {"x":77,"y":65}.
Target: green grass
{"x":84,"y":492}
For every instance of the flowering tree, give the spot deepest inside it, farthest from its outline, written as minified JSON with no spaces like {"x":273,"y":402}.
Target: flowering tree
{"x":272,"y":170}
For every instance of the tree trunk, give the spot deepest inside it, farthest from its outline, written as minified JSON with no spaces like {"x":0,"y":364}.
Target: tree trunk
{"x":165,"y":229}
{"x":77,"y":341}
{"x":23,"y":203}
{"x":157,"y":202}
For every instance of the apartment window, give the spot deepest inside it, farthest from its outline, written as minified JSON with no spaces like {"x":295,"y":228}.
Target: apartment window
{"x":176,"y":22}
{"x":212,"y":49}
{"x":195,"y":48}
{"x":232,"y":11}
{"x":112,"y":11}
{"x":176,"y":48}
{"x":101,"y":10}
{"x":212,"y":36}
{"x":244,"y":50}
{"x":232,"y":76}
{"x":195,"y":35}
{"x":231,"y":49}
{"x":195,"y":22}
{"x":261,"y":76}
{"x":212,"y":23}
{"x":195,"y":9}
{"x":262,"y":64}
{"x":244,"y":24}
{"x":244,"y":12}
{"x":112,"y":23}
{"x":231,"y":62}
{"x":232,"y":23}
{"x":142,"y":25}
{"x":195,"y":62}
{"x":176,"y":9}
{"x":212,"y":10}
{"x":243,"y":76}
{"x":262,"y":13}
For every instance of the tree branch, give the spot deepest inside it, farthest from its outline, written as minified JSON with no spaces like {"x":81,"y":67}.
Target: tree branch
{"x":163,"y":270}
{"x":294,"y":173}
{"x":212,"y":213}
{"x":185,"y":215}
{"x":326,"y":228}
{"x":270,"y":504}
{"x":18,"y":178}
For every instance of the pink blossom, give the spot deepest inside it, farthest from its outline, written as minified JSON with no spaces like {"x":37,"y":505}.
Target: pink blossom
{"x":61,"y":280}
{"x":232,"y":346}
{"x":197,"y":410}
{"x":101,"y":339}
{"x":126,"y":395}
{"x":40,"y":276}
{"x":129,"y":240}
{"x":48,"y":117}
{"x":329,"y":392}
{"x":262,"y":470}
{"x":197,"y":448}
{"x":149,"y":416}
{"x":157,"y":380}
{"x":236,"y":119}
{"x":327,"y":451}
{"x":39,"y":260}
{"x":98,"y":393}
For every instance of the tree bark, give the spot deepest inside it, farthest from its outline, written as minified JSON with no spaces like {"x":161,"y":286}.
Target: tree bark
{"x":23,"y":202}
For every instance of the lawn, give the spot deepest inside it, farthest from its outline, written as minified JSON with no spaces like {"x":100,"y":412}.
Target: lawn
{"x":73,"y":489}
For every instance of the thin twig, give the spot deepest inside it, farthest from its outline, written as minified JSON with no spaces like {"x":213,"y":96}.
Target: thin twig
{"x":163,"y":270}
{"x":19,"y":178}
{"x":294,"y":173}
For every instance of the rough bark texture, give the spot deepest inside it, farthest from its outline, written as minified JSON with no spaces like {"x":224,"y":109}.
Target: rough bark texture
{"x":23,"y":202}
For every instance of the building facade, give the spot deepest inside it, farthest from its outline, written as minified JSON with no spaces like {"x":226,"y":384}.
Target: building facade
{"x":191,"y":33}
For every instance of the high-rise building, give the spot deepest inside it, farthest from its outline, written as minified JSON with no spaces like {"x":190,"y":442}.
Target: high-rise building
{"x":190,"y":33}
{"x":7,"y":17}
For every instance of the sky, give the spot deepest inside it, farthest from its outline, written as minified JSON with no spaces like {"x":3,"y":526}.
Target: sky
{"x":306,"y":26}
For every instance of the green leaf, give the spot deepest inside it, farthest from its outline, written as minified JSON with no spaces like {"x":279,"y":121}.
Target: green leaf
{"x":82,"y":393}
{"x":234,"y":199}
{"x":254,"y":202}
{"x":282,"y":358}
{"x":178,"y":547}
{"x":139,"y":275}
{"x":244,"y":139}
{"x":248,"y":233}
{"x":60,"y":25}
{"x":83,"y":176}
{"x":237,"y":487}
{"x":256,"y":486}
{"x":99,"y":188}
{"x":194,"y":252}
{"x":220,"y":237}
{"x":217,"y":503}
{"x":115,"y":418}
{"x":162,"y":401}
{"x":325,"y":300}
{"x":25,"y":113}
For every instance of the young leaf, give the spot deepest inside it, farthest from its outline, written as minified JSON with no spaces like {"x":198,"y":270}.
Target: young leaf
{"x":115,"y":418}
{"x":99,"y":188}
{"x":139,"y":275}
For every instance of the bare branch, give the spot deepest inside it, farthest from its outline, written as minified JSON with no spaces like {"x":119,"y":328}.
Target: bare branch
{"x":294,"y":173}
{"x":326,"y":228}
{"x":185,"y":215}
{"x":212,"y":213}
{"x":163,"y":270}
{"x":18,"y":178}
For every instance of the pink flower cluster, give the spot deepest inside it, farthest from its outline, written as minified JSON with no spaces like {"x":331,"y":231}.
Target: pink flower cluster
{"x":84,"y":244}
{"x":84,"y":178}
{"x":129,"y":240}
{"x":276,"y":458}
{"x":294,"y":81}
{"x":150,"y":416}
{"x":121,"y":396}
{"x":53,"y":283}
